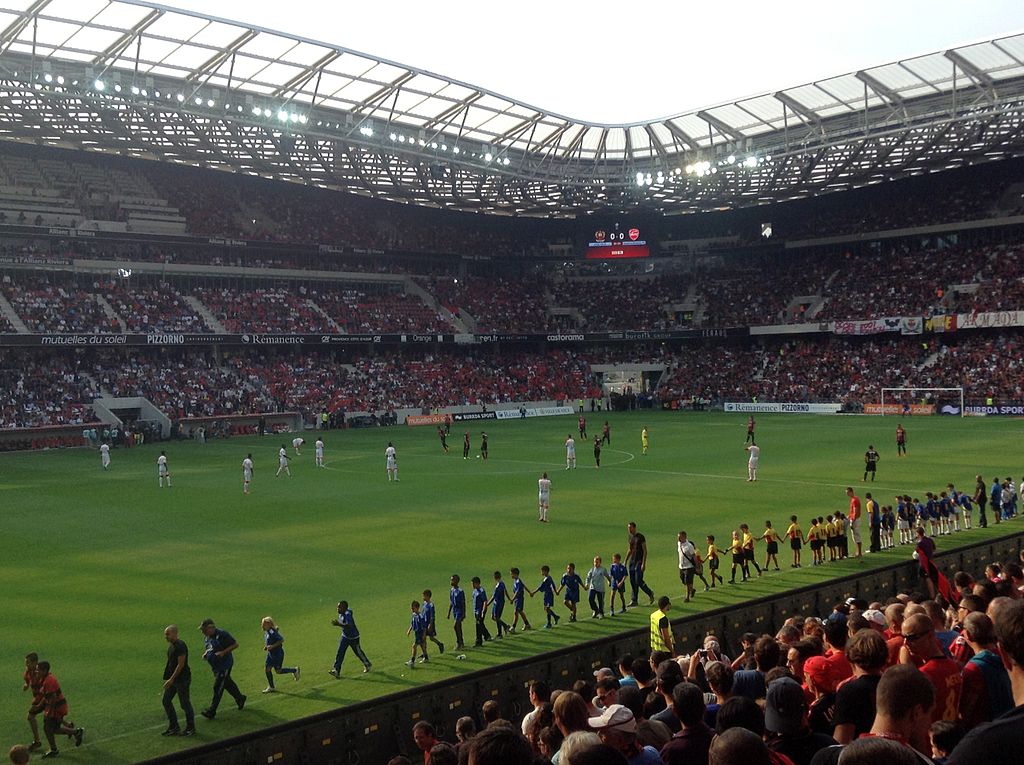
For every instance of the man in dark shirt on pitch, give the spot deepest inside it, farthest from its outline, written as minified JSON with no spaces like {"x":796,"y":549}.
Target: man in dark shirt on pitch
{"x":349,"y":639}
{"x":636,"y":564}
{"x":219,"y":645}
{"x":177,"y":681}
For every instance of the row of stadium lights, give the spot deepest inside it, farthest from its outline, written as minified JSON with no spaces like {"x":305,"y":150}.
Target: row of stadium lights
{"x":399,"y":138}
{"x":285,"y":116}
{"x":699,"y":169}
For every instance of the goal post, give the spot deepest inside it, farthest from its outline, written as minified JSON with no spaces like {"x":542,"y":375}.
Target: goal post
{"x":896,"y":396}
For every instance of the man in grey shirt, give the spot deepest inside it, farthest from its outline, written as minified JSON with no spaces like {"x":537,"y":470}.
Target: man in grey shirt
{"x":687,"y":564}
{"x":597,"y":580}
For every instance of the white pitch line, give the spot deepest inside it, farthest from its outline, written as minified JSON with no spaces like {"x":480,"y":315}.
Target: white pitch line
{"x":773,"y":480}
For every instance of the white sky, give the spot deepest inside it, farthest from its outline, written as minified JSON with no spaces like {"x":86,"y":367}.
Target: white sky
{"x":631,"y":61}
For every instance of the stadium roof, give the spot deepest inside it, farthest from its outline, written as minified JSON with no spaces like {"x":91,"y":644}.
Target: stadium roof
{"x":145,"y":80}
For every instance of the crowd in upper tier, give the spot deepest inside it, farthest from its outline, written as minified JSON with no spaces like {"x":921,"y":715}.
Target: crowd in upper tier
{"x":799,"y":288}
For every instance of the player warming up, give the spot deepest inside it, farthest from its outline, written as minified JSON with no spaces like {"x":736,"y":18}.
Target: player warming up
{"x":644,"y":440}
{"x":391,"y":462}
{"x":297,"y":443}
{"x":465,"y":445}
{"x":282,"y":462}
{"x":444,"y":438}
{"x":755,"y":454}
{"x":483,"y":445}
{"x":162,"y":470}
{"x":318,"y":449}
{"x":273,"y":644}
{"x":570,"y":452}
{"x":750,"y":430}
{"x":543,"y":497}
{"x":349,"y":639}
{"x":583,"y":426}
{"x":901,"y":441}
{"x":246,"y":473}
{"x":870,"y":463}
{"x":597,"y":452}
{"x":105,"y":456}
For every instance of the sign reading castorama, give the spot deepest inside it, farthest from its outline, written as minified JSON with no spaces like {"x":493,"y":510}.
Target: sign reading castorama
{"x":783,"y":407}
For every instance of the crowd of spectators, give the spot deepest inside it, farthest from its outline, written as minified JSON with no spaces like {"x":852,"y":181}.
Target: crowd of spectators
{"x":48,"y":306}
{"x":495,"y":304}
{"x":846,"y":370}
{"x":37,"y":391}
{"x":186,"y":385}
{"x":358,"y":312}
{"x":155,"y":307}
{"x":264,"y":309}
{"x":917,"y":678}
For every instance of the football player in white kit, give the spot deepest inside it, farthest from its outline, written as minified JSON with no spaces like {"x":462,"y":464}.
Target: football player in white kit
{"x":105,"y":455}
{"x":570,"y":453}
{"x":297,"y":443}
{"x":246,"y":473}
{"x":544,"y":497}
{"x":163,"y":471}
{"x":319,"y":448}
{"x":282,"y":462}
{"x":755,"y":452}
{"x":391,"y":462}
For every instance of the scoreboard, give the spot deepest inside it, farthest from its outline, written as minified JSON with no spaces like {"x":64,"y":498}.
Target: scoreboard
{"x":617,"y":241}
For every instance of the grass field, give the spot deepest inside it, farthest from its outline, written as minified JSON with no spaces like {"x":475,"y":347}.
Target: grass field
{"x":96,"y":563}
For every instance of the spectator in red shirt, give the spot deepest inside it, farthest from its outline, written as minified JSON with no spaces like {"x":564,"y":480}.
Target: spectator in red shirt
{"x":855,"y":519}
{"x":56,"y":709}
{"x":922,"y":648}
{"x":423,"y":735}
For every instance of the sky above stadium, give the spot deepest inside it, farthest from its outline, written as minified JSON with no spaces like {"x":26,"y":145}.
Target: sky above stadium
{"x":623,"y":62}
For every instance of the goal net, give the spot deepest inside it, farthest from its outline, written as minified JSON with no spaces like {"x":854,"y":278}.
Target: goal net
{"x":900,"y":401}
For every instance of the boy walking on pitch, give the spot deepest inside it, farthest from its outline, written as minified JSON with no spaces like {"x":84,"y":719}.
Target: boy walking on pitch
{"x":457,"y":610}
{"x":738,"y":558}
{"x":547,"y":586}
{"x":597,"y":577}
{"x":619,"y":574}
{"x":796,"y":537}
{"x":418,"y":630}
{"x":55,"y":710}
{"x":497,"y":604}
{"x":771,"y":538}
{"x":748,"y":547}
{"x":571,"y":583}
{"x":429,"y":619}
{"x":714,"y":561}
{"x":516,"y":597}
{"x":480,"y":612}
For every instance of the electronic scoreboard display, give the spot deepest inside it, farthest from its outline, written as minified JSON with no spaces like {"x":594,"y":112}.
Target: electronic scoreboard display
{"x":618,"y":239}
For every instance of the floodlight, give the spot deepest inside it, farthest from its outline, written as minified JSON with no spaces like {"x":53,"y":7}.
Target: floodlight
{"x":209,"y":103}
{"x":401,"y":139}
{"x":506,"y":161}
{"x":455,"y":150}
{"x":731,"y":159}
{"x":750,"y":162}
{"x":393,"y":136}
{"x":181,"y":98}
{"x":117,"y":88}
{"x":444,"y":147}
{"x":639,"y":179}
{"x":266,"y":112}
{"x":135,"y":90}
{"x":99,"y":85}
{"x":48,"y":77}
{"x":433,"y":146}
{"x":60,"y":79}
{"x":282,"y":115}
{"x":303,"y":119}
{"x":488,"y":157}
{"x":293,"y":117}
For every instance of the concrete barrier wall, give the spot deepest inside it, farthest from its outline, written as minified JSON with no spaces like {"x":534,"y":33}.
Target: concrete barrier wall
{"x":371,"y":732}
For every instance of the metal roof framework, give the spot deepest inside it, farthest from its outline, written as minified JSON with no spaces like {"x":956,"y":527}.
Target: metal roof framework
{"x":141,"y":79}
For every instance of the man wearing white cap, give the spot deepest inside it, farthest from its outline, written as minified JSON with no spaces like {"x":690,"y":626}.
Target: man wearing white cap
{"x":617,"y":728}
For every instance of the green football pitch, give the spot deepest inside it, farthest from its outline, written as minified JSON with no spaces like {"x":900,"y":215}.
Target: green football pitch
{"x":96,"y":563}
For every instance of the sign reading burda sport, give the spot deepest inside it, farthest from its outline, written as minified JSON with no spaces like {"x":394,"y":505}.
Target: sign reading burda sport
{"x":783,"y":407}
{"x":1010,"y":409}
